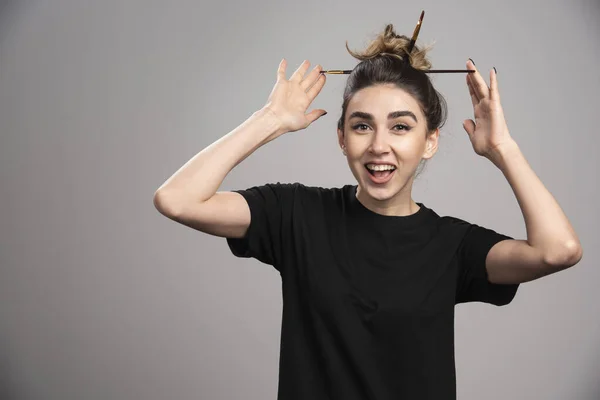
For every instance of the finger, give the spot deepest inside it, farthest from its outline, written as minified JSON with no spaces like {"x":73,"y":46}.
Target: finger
{"x":314,"y":115}
{"x":469,"y":126}
{"x":311,"y":78}
{"x":281,"y":70}
{"x":494,"y":92}
{"x":479,"y":85}
{"x":474,"y":98}
{"x":316,"y":88}
{"x":298,"y":75}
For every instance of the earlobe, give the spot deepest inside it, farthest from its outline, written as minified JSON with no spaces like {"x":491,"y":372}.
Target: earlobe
{"x":432,"y":143}
{"x":431,"y":149}
{"x":341,"y":141}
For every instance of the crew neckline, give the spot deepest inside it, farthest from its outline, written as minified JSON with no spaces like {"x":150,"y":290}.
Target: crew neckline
{"x":359,"y":210}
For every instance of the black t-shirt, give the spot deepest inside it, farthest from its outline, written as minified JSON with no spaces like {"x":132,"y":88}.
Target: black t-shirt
{"x":368,"y":299}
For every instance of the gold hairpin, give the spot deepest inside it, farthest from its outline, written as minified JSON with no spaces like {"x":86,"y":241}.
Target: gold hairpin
{"x":413,"y":40}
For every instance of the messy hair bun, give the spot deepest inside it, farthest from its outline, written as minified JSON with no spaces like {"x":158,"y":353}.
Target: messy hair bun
{"x":389,"y":43}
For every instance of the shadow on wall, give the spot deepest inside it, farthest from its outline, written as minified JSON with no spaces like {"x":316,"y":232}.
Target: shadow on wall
{"x":9,"y":9}
{"x":8,"y":388}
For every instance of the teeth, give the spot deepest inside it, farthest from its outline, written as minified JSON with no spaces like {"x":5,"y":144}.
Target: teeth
{"x":376,"y":167}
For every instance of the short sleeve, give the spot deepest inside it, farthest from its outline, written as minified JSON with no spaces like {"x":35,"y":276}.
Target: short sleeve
{"x":473,"y":283}
{"x":270,"y":209}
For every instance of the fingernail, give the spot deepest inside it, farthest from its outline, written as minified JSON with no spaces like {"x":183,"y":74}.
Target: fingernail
{"x":472,"y":61}
{"x":496,"y":72}
{"x":325,"y":113}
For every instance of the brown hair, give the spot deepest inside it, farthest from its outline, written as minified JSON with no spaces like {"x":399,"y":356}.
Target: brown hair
{"x":386,"y":60}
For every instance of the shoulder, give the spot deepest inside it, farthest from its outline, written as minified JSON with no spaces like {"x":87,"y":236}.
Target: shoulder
{"x":303,"y":189}
{"x":291,"y":192}
{"x":276,"y":190}
{"x":454,"y":224}
{"x":457,"y":224}
{"x":466,"y":232}
{"x":474,"y":241}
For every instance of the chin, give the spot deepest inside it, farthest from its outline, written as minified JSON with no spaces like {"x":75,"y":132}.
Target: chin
{"x":383,"y":191}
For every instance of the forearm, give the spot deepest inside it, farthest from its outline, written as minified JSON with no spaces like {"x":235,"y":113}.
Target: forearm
{"x":548,"y":228}
{"x":200,"y":178}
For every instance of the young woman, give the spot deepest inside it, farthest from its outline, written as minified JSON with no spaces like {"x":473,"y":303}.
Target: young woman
{"x":370,"y":277}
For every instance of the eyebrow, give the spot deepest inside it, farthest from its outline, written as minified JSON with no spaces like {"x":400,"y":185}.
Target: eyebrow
{"x":392,"y":115}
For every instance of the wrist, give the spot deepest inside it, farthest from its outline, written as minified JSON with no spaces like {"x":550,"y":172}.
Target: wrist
{"x":271,"y":120}
{"x":502,"y":154}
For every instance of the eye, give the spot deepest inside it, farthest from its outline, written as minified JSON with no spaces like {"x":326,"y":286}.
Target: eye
{"x":404,"y":127}
{"x":355,"y":127}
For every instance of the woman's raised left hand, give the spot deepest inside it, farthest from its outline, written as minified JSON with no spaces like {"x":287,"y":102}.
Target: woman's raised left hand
{"x":489,"y":132}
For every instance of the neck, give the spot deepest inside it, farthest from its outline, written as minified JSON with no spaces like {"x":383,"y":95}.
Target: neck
{"x":400,"y":205}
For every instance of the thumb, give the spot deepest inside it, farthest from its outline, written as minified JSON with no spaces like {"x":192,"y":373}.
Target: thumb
{"x":315,"y":114}
{"x":469,"y":126}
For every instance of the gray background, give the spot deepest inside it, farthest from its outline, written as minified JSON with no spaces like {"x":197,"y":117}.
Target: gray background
{"x":101,"y":297}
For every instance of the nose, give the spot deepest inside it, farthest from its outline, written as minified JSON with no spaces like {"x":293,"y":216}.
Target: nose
{"x":379,"y":143}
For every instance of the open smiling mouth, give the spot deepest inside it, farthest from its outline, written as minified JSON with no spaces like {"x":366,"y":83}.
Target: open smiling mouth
{"x":380,"y":176}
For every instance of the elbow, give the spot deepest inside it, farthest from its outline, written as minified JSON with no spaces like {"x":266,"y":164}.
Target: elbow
{"x":165,"y":204}
{"x":570,"y":254}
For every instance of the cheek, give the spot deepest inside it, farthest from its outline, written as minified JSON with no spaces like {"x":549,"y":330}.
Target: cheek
{"x":411,"y":149}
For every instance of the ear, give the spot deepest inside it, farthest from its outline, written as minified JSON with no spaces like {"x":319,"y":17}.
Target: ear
{"x":431,"y":144}
{"x":341,"y":138}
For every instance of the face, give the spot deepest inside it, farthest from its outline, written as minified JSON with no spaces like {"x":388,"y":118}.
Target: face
{"x":384,"y":124}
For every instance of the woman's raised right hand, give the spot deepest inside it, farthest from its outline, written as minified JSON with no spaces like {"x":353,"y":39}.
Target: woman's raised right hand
{"x":290,"y":99}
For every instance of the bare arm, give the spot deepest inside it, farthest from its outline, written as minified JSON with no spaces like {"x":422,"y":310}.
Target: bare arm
{"x":552,"y":244}
{"x":199,"y":179}
{"x":190,"y":195}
